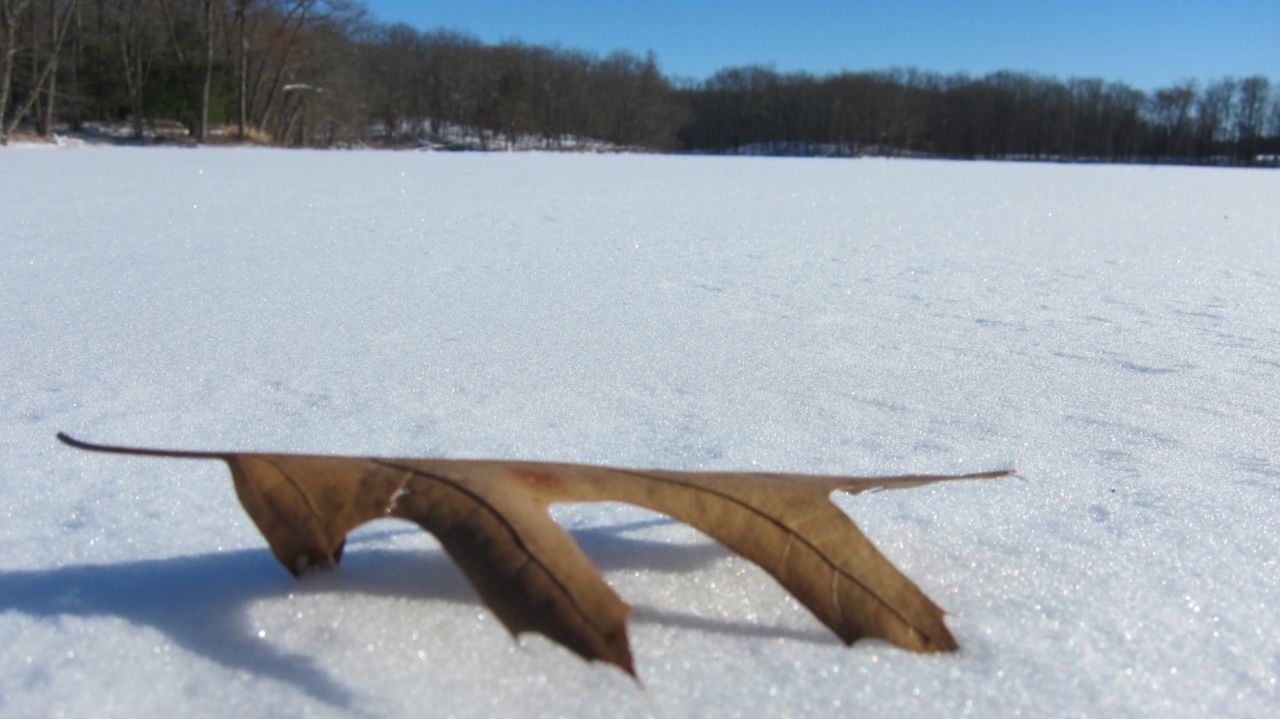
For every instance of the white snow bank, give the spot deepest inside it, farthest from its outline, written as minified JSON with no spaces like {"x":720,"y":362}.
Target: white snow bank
{"x":1111,"y":331}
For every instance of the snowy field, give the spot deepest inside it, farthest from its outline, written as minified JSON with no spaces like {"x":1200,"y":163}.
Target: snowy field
{"x":1113,"y":332}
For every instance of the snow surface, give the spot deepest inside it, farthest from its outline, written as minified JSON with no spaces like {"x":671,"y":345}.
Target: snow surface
{"x":1111,"y":331}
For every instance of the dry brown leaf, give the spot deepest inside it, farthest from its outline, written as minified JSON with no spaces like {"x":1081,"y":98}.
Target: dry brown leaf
{"x":491,"y":517}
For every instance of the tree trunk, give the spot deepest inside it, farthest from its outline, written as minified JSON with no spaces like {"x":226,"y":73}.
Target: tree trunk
{"x":173,"y":33}
{"x":242,"y":69}
{"x":52,"y":88}
{"x":135,"y":103}
{"x":73,"y":93}
{"x":37,"y":79}
{"x":134,"y":74}
{"x":208,"y":70}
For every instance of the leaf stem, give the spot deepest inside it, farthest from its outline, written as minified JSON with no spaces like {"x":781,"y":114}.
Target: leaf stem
{"x":139,"y":451}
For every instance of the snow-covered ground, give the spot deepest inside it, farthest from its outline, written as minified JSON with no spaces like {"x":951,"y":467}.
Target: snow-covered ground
{"x":1111,"y":331}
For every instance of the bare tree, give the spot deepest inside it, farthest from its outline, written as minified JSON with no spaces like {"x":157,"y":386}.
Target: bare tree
{"x":1253,"y":95}
{"x":9,"y":13}
{"x":136,"y":44}
{"x":1170,"y":110}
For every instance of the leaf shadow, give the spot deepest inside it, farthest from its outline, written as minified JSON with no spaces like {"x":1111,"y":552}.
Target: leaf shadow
{"x":399,"y":573}
{"x":200,"y":601}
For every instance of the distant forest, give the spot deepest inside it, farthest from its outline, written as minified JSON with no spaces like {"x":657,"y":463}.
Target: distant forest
{"x":323,"y":73}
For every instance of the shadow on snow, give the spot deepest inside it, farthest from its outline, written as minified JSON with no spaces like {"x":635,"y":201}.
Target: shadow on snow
{"x":199,"y":601}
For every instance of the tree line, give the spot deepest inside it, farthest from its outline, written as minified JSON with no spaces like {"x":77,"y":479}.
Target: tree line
{"x":323,"y":73}
{"x":315,"y":73}
{"x":1000,"y":115}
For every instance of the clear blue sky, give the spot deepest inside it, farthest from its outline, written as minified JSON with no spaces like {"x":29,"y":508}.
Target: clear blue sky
{"x":1146,"y":44}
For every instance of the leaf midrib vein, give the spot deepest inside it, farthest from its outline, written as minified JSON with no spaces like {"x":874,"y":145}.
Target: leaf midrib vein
{"x":836,"y":569}
{"x":515,"y":536}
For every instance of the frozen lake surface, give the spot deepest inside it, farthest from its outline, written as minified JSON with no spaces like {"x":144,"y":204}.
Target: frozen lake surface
{"x":1110,"y":331}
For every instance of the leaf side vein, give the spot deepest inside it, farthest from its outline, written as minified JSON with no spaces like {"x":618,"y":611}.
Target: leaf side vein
{"x":297,"y":487}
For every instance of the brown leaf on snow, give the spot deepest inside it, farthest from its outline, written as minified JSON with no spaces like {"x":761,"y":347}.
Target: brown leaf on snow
{"x":491,"y":518}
